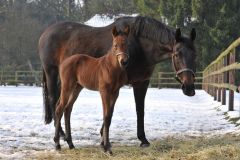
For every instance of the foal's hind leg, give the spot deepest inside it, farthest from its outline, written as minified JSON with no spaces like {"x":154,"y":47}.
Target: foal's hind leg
{"x":61,"y":107}
{"x":67,"y":115}
{"x":59,"y":113}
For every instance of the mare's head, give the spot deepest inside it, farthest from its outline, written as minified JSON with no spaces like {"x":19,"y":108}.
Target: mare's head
{"x":120,"y":45}
{"x":183,"y":59}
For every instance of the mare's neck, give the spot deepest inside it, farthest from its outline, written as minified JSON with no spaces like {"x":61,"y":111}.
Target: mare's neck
{"x":156,"y":51}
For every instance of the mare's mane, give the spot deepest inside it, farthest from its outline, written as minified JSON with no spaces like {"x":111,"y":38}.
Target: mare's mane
{"x":151,"y":29}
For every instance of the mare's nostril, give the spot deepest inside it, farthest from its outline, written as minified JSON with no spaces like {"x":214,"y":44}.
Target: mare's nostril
{"x":183,"y":87}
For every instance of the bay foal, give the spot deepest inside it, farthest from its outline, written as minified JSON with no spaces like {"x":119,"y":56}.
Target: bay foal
{"x":105,"y":74}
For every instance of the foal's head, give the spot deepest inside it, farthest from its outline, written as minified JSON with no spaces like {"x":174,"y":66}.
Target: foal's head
{"x":184,"y":62}
{"x":120,"y":45}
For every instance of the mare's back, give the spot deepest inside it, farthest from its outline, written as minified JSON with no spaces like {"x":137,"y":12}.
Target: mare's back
{"x":67,"y":38}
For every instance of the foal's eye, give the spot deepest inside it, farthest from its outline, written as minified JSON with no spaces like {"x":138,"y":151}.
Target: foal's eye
{"x":115,"y":46}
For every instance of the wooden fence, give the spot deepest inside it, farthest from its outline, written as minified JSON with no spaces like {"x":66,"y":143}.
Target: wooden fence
{"x":20,"y":77}
{"x":219,"y":76}
{"x":167,"y":80}
{"x":162,"y":80}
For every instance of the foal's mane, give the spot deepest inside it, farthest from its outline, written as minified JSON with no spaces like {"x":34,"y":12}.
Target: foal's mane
{"x":152,"y":29}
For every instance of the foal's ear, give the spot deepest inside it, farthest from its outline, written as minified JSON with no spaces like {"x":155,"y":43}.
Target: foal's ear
{"x":178,"y":35}
{"x":193,"y":34}
{"x":114,"y":31}
{"x":127,"y":30}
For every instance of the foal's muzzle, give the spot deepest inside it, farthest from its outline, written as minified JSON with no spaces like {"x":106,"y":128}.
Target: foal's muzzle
{"x":123,"y":59}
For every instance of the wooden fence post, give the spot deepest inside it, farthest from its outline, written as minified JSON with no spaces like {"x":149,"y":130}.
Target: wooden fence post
{"x":219,"y":81}
{"x":231,"y":81}
{"x":224,"y":81}
{"x":1,"y":79}
{"x":215,"y":81}
{"x":159,"y":81}
{"x":211,"y":81}
{"x":16,"y":76}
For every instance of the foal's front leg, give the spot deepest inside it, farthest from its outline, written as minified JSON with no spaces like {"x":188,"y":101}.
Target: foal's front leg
{"x":108,"y":101}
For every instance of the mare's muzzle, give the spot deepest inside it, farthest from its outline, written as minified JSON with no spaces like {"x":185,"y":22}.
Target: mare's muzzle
{"x":187,"y":81}
{"x":188,"y":90}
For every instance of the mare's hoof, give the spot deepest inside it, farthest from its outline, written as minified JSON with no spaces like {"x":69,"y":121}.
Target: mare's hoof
{"x":144,"y":145}
{"x":106,"y":149}
{"x":58,"y":147}
{"x":71,"y":146}
{"x":108,"y":152}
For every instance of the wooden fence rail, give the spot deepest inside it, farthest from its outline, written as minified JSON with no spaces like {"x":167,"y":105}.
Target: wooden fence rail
{"x":219,"y":76}
{"x":162,"y":80}
{"x":20,"y":77}
{"x":167,"y":80}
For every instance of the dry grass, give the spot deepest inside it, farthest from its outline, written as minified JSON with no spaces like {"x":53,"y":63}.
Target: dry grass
{"x":217,"y":148}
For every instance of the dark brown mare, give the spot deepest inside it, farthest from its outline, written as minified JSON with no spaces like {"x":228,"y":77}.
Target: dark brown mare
{"x":105,"y":74}
{"x":149,"y":42}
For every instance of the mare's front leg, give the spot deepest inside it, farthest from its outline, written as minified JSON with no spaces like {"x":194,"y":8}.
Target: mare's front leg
{"x":108,"y":101}
{"x":67,"y":115}
{"x":140,"y":90}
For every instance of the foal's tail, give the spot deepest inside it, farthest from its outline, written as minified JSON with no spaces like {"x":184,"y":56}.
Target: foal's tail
{"x":47,"y":108}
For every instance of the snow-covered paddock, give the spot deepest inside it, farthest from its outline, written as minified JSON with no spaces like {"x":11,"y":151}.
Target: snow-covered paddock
{"x":167,"y":113}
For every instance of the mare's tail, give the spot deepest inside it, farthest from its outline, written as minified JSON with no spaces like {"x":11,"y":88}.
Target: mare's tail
{"x":46,"y":105}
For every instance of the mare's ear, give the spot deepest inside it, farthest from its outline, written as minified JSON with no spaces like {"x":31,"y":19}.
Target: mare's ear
{"x":127,"y":30}
{"x":114,"y":31}
{"x":193,"y":34}
{"x":178,"y":35}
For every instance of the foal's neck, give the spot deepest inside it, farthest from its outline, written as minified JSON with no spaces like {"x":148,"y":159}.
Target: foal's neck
{"x":111,"y":60}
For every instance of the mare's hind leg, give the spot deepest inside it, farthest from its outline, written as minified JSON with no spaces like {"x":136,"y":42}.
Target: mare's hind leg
{"x":67,"y":115}
{"x":53,"y":93}
{"x":140,"y":90}
{"x":108,"y":101}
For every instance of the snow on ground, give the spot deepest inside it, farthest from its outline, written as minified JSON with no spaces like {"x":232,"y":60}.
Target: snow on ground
{"x":168,"y":113}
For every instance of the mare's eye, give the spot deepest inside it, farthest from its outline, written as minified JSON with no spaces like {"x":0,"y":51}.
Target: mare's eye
{"x":115,"y":46}
{"x":177,"y":55}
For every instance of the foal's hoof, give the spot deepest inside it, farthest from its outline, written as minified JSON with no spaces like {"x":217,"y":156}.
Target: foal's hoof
{"x":58,"y":147}
{"x":62,"y":134}
{"x":144,"y":145}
